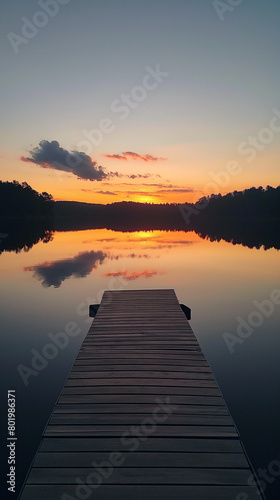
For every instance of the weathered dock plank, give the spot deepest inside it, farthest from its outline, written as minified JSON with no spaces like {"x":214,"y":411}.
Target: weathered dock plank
{"x":148,"y":492}
{"x":141,"y":414}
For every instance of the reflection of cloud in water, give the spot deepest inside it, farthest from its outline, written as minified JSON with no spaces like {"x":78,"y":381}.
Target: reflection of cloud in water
{"x":182,"y":242}
{"x":105,"y":240}
{"x":173,"y":244}
{"x":102,"y":240}
{"x":135,"y":256}
{"x":156,"y":243}
{"x":133,"y":275}
{"x":130,"y":256}
{"x":54,"y":273}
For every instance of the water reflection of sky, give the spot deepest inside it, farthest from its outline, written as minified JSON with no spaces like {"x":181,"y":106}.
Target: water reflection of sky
{"x":119,"y":256}
{"x":54,"y":283}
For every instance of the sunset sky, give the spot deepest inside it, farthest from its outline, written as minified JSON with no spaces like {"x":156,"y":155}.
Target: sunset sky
{"x":152,"y":101}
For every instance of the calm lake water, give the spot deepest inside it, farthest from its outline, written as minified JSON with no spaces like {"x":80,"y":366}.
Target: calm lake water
{"x":53,"y":283}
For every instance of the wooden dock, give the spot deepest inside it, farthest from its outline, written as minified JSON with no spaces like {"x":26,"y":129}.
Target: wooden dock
{"x":141,"y":416}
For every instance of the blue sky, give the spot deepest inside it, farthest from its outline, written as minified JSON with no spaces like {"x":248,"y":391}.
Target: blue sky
{"x":221,"y":88}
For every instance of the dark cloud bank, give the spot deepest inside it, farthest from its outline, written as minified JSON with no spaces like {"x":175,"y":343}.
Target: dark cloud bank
{"x":51,"y":155}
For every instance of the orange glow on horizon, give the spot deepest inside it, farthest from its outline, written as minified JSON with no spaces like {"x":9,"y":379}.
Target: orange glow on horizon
{"x":190,"y":179}
{"x":122,"y":195}
{"x":145,"y":198}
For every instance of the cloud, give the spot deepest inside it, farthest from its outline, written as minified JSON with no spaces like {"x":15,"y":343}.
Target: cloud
{"x":133,"y":275}
{"x":142,"y":184}
{"x":142,"y":193}
{"x":51,"y":155}
{"x":135,"y":156}
{"x":107,"y":192}
{"x":139,"y":176}
{"x":131,"y":176}
{"x":80,"y":266}
{"x":162,"y":190}
{"x":115,"y":157}
{"x":99,"y":192}
{"x":169,"y":186}
{"x":176,"y":190}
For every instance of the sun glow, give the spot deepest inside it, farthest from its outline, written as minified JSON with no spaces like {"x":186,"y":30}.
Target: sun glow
{"x":143,"y":235}
{"x":145,"y":199}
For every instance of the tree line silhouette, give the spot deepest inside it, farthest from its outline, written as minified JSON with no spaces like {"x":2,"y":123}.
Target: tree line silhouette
{"x":20,"y":200}
{"x":120,"y":216}
{"x":257,"y":203}
{"x":250,"y":217}
{"x":252,"y":202}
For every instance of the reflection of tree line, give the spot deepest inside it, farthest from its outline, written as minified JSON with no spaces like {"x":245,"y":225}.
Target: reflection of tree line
{"x":252,"y":233}
{"x":250,"y":217}
{"x":17,"y":236}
